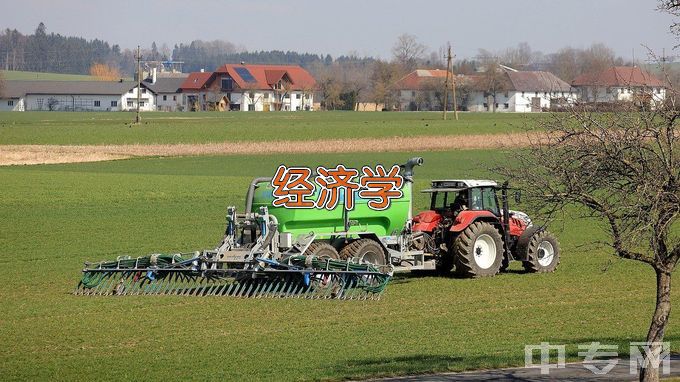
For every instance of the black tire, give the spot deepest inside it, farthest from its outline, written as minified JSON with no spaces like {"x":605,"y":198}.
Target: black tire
{"x":535,"y":249}
{"x":466,"y":245}
{"x":443,"y":262}
{"x":366,"y":250}
{"x":322,"y":250}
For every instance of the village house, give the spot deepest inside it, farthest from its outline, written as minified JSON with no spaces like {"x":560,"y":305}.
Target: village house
{"x":250,"y":88}
{"x":514,"y":91}
{"x":422,"y":89}
{"x":517,"y":91}
{"x":75,"y":96}
{"x":166,"y":87}
{"x":620,"y":84}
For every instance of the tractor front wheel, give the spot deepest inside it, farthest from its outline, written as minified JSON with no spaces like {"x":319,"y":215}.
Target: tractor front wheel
{"x":365,"y":250}
{"x":478,"y":250}
{"x":542,"y":252}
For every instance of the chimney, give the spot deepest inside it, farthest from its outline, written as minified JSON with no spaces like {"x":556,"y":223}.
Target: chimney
{"x":153,"y":75}
{"x":202,"y":70}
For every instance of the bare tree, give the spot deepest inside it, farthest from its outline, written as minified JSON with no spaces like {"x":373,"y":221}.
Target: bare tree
{"x":493,"y":80}
{"x":408,"y":51}
{"x":672,"y":7}
{"x":622,"y":169}
{"x":383,"y":77}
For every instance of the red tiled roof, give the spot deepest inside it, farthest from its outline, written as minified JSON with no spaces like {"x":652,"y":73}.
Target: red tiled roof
{"x":266,"y":75}
{"x":417,"y":78}
{"x":196,"y":81}
{"x":620,"y":76}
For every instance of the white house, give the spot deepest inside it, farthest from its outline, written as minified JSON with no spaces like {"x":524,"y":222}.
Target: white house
{"x":166,"y":87}
{"x":620,"y":84}
{"x":518,"y":91}
{"x":75,"y":96}
{"x":250,"y":88}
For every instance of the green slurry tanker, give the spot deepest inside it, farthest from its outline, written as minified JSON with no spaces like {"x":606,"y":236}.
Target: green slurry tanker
{"x":272,"y":251}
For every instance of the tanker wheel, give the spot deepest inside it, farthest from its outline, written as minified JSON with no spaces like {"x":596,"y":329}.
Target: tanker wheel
{"x":322,"y":250}
{"x":365,"y":250}
{"x":479,"y":250}
{"x":542,"y":252}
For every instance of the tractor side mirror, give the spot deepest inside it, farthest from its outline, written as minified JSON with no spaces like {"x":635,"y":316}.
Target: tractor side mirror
{"x":518,"y":197}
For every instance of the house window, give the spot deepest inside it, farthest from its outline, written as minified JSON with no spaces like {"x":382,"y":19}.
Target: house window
{"x":286,"y":96}
{"x":506,"y":94}
{"x":522,"y":94}
{"x":114,"y":103}
{"x":251,"y":95}
{"x":251,"y":107}
{"x":141,"y":104}
{"x":130,"y":91}
{"x":10,"y":102}
{"x":413,"y":94}
{"x":174,"y":98}
{"x":496,"y":106}
{"x":165,"y":98}
{"x":130,"y":104}
{"x":266,"y":95}
{"x":486,"y":105}
{"x":143,"y":90}
{"x":227,"y":83}
{"x":506,"y":105}
{"x":39,"y":101}
{"x":306,"y":96}
{"x":545,"y":94}
{"x":97,"y":103}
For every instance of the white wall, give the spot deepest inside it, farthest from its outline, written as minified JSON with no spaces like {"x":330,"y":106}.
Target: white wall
{"x":11,"y":104}
{"x":83,"y":102}
{"x":613,"y":94}
{"x":147,"y":100}
{"x":514,"y":101}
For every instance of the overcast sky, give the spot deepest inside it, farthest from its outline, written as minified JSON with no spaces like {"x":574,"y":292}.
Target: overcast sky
{"x":365,"y":27}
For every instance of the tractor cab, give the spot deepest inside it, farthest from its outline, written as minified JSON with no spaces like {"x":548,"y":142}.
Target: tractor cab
{"x":450,"y":197}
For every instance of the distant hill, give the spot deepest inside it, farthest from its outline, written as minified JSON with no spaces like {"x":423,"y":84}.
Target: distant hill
{"x":20,"y":75}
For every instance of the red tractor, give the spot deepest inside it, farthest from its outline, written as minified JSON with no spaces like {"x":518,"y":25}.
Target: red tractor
{"x":467,"y":229}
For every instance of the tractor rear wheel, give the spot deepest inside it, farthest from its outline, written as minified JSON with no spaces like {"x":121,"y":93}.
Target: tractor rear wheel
{"x":365,"y":250}
{"x":322,"y":250}
{"x":542,"y":252}
{"x":478,"y":250}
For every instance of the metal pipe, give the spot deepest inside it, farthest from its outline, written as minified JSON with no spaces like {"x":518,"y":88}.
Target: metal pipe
{"x":251,"y":191}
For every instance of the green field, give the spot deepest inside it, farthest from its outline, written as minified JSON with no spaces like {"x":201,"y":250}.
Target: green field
{"x":114,"y":128}
{"x":55,"y":217}
{"x":13,"y":75}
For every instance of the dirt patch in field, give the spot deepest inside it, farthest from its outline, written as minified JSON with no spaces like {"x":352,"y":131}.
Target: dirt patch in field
{"x":44,"y":154}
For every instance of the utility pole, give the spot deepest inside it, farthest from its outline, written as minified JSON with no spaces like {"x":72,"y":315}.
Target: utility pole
{"x":138,"y":119}
{"x":449,"y":71}
{"x":446,"y":83}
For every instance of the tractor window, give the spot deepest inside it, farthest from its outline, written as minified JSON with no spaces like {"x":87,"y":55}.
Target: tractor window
{"x":489,"y":199}
{"x":476,"y":202}
{"x":439,"y":200}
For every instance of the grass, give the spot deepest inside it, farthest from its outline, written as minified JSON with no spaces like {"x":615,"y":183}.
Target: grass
{"x":61,"y":128}
{"x":14,"y":75}
{"x":54,"y":217}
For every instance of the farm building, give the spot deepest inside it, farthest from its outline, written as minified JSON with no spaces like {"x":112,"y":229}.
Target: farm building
{"x":620,"y":84}
{"x":75,"y":96}
{"x":166,"y":87}
{"x":516,"y":91}
{"x":422,"y":89}
{"x":250,"y":88}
